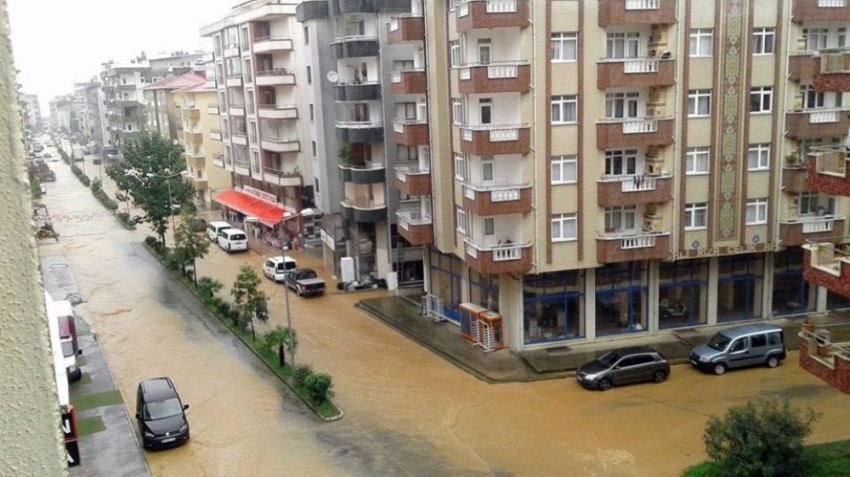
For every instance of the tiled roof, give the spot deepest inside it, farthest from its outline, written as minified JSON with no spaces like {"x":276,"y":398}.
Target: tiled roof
{"x":177,"y":82}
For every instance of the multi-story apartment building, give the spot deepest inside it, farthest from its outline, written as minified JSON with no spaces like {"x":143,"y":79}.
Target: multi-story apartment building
{"x":162,"y":110}
{"x":124,"y":111}
{"x":30,"y":110}
{"x":623,"y":167}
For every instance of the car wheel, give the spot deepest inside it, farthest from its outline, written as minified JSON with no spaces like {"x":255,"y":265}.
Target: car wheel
{"x":772,"y":362}
{"x":604,"y":384}
{"x":719,"y":368}
{"x":659,"y":376}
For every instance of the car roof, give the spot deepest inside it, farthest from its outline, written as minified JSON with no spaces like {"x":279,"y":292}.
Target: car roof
{"x":219,"y":224}
{"x":279,"y":259}
{"x":232,"y":230}
{"x":634,"y":350}
{"x":747,"y":329}
{"x":158,"y":388}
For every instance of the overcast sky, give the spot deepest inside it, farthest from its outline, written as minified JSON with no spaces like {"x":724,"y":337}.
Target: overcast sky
{"x":59,"y":42}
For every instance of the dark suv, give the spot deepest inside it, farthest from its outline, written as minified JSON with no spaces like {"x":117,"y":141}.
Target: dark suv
{"x":623,"y":366}
{"x":161,"y":414}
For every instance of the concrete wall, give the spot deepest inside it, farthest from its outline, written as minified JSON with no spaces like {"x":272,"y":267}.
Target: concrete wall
{"x":29,"y":411}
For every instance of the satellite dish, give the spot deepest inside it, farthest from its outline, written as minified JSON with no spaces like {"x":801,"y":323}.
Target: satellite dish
{"x":333,"y":77}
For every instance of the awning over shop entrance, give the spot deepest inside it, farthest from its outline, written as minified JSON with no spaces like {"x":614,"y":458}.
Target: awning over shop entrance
{"x":266,"y":213}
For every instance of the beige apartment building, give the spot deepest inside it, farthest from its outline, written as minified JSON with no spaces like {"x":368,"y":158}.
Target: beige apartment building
{"x":612,"y":168}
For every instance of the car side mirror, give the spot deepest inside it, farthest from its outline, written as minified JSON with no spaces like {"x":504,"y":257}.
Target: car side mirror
{"x":138,"y":416}
{"x":185,"y":406}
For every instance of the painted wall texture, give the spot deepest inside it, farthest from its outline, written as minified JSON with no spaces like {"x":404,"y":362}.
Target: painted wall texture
{"x":30,"y":436}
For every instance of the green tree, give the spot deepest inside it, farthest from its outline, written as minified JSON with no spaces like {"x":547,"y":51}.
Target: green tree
{"x":281,"y":338}
{"x":188,"y":245}
{"x":319,"y":386}
{"x":247,"y":296}
{"x":149,"y":175}
{"x":760,"y":439}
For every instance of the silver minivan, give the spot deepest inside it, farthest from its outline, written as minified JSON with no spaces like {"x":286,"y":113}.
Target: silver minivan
{"x":747,"y":345}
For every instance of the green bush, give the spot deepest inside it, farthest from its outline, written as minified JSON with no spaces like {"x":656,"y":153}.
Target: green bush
{"x":35,"y":188}
{"x":318,"y":386}
{"x":151,"y":240}
{"x":762,"y":438}
{"x":96,"y":186}
{"x":208,"y":286}
{"x":104,"y":199}
{"x":301,"y":374}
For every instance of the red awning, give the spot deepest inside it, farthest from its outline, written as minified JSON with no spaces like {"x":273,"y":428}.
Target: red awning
{"x":266,"y":213}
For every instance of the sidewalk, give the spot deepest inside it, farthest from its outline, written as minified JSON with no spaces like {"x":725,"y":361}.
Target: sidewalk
{"x":505,"y":365}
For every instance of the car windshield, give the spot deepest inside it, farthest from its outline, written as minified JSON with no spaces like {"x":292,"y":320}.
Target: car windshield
{"x":237,"y":237}
{"x":67,"y":348}
{"x":719,"y":342}
{"x":162,"y":409}
{"x":308,"y":274}
{"x":608,"y":359}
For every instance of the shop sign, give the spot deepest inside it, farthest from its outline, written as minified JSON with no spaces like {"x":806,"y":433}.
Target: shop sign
{"x":328,"y":240}
{"x":263,"y":196}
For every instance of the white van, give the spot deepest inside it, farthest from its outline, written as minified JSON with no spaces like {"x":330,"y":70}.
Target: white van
{"x":68,"y":339}
{"x":214,"y":228}
{"x":233,"y":240}
{"x":276,"y":268}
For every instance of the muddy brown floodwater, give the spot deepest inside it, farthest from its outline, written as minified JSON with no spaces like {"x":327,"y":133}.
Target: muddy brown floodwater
{"x":408,"y":412}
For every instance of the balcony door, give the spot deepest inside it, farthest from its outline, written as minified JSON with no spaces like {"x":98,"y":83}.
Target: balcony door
{"x":621,"y":219}
{"x":484,"y":51}
{"x":486,"y":109}
{"x":487,"y":171}
{"x":623,"y":45}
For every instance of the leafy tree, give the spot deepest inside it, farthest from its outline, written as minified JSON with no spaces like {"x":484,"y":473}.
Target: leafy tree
{"x":301,"y":373}
{"x":188,"y":245}
{"x":760,"y":439}
{"x":149,"y":169}
{"x":207,"y":287}
{"x":319,"y":386}
{"x":281,"y":338}
{"x":247,"y":296}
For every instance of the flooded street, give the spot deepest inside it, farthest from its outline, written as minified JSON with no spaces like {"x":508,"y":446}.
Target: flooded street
{"x":408,"y":412}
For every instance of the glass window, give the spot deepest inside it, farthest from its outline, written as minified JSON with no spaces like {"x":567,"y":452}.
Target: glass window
{"x":761,"y":98}
{"x":758,"y":157}
{"x":816,"y":38}
{"x":621,"y":162}
{"x":553,"y":306}
{"x":461,"y":221}
{"x":623,"y":45}
{"x":696,"y":160}
{"x":758,"y":341}
{"x":564,"y":170}
{"x":564,"y":109}
{"x":460,"y":167}
{"x":696,"y":216}
{"x":701,"y":42}
{"x":564,"y":227}
{"x":454,"y":49}
{"x":763,"y":40}
{"x":457,"y":111}
{"x":756,"y":211}
{"x":620,"y":218}
{"x":699,"y":103}
{"x":621,"y":105}
{"x":564,"y":47}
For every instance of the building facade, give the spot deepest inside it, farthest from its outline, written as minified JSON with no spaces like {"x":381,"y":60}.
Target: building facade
{"x":124,"y":115}
{"x":626,"y":167}
{"x":162,"y":111}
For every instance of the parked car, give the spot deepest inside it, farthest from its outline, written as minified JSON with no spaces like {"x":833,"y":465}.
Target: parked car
{"x":161,"y":414}
{"x":233,"y":240}
{"x":305,"y":282}
{"x":214,"y":228}
{"x":624,"y":366}
{"x":276,"y":268}
{"x":68,"y":339}
{"x":110,"y":153}
{"x":747,"y":345}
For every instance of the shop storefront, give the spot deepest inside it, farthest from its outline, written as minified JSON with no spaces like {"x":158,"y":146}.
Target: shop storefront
{"x":622,"y":298}
{"x":792,"y":294}
{"x":446,"y":282}
{"x":683,"y":293}
{"x":740,"y":287}
{"x":553,"y":307}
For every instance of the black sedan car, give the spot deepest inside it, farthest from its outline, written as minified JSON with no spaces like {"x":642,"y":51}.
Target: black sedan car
{"x":624,"y":366}
{"x":161,"y":414}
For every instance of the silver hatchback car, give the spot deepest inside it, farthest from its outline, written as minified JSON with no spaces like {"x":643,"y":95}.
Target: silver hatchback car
{"x":624,"y":366}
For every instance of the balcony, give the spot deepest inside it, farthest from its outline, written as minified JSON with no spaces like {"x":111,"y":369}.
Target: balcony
{"x":413,"y":180}
{"x":242,"y":168}
{"x":489,"y":14}
{"x":272,"y":111}
{"x":231,"y":50}
{"x":415,"y":227}
{"x":635,"y":73}
{"x":410,"y":132}
{"x":311,"y":10}
{"x":213,"y":110}
{"x":637,"y":132}
{"x":364,"y":211}
{"x":357,"y":91}
{"x":215,"y":134}
{"x":236,"y":110}
{"x":816,"y":123}
{"x":497,"y":200}
{"x":280,"y":145}
{"x":412,"y":81}
{"x":406,"y":29}
{"x":502,"y":77}
{"x":353,"y":132}
{"x":355,"y":47}
{"x":795,"y":179}
{"x":797,"y":231}
{"x":825,"y":265}
{"x":268,"y":44}
{"x":195,"y":134}
{"x":363,"y":174}
{"x":632,"y":190}
{"x":234,"y":81}
{"x":194,"y":154}
{"x":341,"y":7}
{"x":500,"y":258}
{"x":218,"y":161}
{"x":636,"y":12}
{"x":275,"y":77}
{"x":627,"y":246}
{"x":491,"y":140}
{"x":820,"y":11}
{"x":827,"y":171}
{"x":825,"y":352}
{"x":279,"y":178}
{"x":802,"y":66}
{"x":833,"y":71}
{"x":240,"y":139}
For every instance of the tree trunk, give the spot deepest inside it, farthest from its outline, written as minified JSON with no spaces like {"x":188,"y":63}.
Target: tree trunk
{"x":281,"y":356}
{"x":195,"y":273}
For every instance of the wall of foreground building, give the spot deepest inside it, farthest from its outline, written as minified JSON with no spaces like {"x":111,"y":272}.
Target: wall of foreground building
{"x":29,"y":411}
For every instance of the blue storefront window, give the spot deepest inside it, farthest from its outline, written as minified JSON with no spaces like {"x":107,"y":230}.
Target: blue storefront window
{"x":553,"y":307}
{"x":621,"y":298}
{"x":446,"y":279}
{"x":791,"y":293}
{"x":739,"y":287}
{"x":682,"y":292}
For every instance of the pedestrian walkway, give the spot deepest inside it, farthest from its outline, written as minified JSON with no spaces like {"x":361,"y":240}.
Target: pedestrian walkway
{"x":505,"y":365}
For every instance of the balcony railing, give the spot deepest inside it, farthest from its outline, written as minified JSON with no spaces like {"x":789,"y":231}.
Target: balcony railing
{"x":636,"y":183}
{"x":643,"y":4}
{"x":495,"y":70}
{"x":832,"y":3}
{"x":498,"y":133}
{"x":504,"y":193}
{"x":413,"y":217}
{"x":832,"y":162}
{"x":501,"y":253}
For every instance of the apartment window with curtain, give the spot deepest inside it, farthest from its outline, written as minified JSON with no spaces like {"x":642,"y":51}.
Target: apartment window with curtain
{"x":564,"y":227}
{"x":696,"y":160}
{"x":564,"y":109}
{"x":701,"y":40}
{"x":621,"y":105}
{"x":761,"y":98}
{"x":758,"y":157}
{"x":454,"y":50}
{"x":696,"y":216}
{"x":462,"y":225}
{"x":756,"y":211}
{"x":699,"y":103}
{"x":564,"y":170}
{"x":763,"y":41}
{"x":623,"y":45}
{"x":564,"y":47}
{"x":460,"y":167}
{"x":457,"y":111}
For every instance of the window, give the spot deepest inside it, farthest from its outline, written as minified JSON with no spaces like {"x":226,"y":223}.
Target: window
{"x":696,"y":160}
{"x":699,"y":102}
{"x":564,"y":109}
{"x":457,"y":111}
{"x":314,"y":148}
{"x":309,"y":75}
{"x":487,"y":171}
{"x":756,"y":211}
{"x":316,"y":182}
{"x":808,"y":203}
{"x":811,"y":99}
{"x":763,"y":39}
{"x":564,"y":170}
{"x":461,"y":221}
{"x":621,"y":162}
{"x":312,"y":113}
{"x":484,"y":51}
{"x":564,"y":227}
{"x":253,"y":127}
{"x":623,"y":45}
{"x":758,"y":157}
{"x":486,"y":110}
{"x":564,"y":47}
{"x":489,"y":226}
{"x":816,"y":38}
{"x":255,"y":162}
{"x":761,"y":98}
{"x":701,"y":42}
{"x":621,"y":105}
{"x":307,"y":42}
{"x":758,"y":341}
{"x":454,"y":49}
{"x":696,"y":216}
{"x":620,"y":218}
{"x":460,"y":167}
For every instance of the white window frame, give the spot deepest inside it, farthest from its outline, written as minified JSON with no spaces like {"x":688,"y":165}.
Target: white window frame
{"x":462,"y":221}
{"x":460,"y":167}
{"x":564,"y":170}
{"x":695,"y":98}
{"x":454,"y":53}
{"x":816,"y":38}
{"x":560,"y":47}
{"x":756,"y":211}
{"x":564,"y":227}
{"x":622,"y":105}
{"x":761,"y":99}
{"x":621,"y":45}
{"x":621,"y":218}
{"x":457,"y":111}
{"x":563,"y":105}
{"x":758,"y":157}
{"x":626,"y":160}
{"x":488,"y":226}
{"x":697,"y":161}
{"x":764,"y":41}
{"x":693,"y":212}
{"x":701,"y":42}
